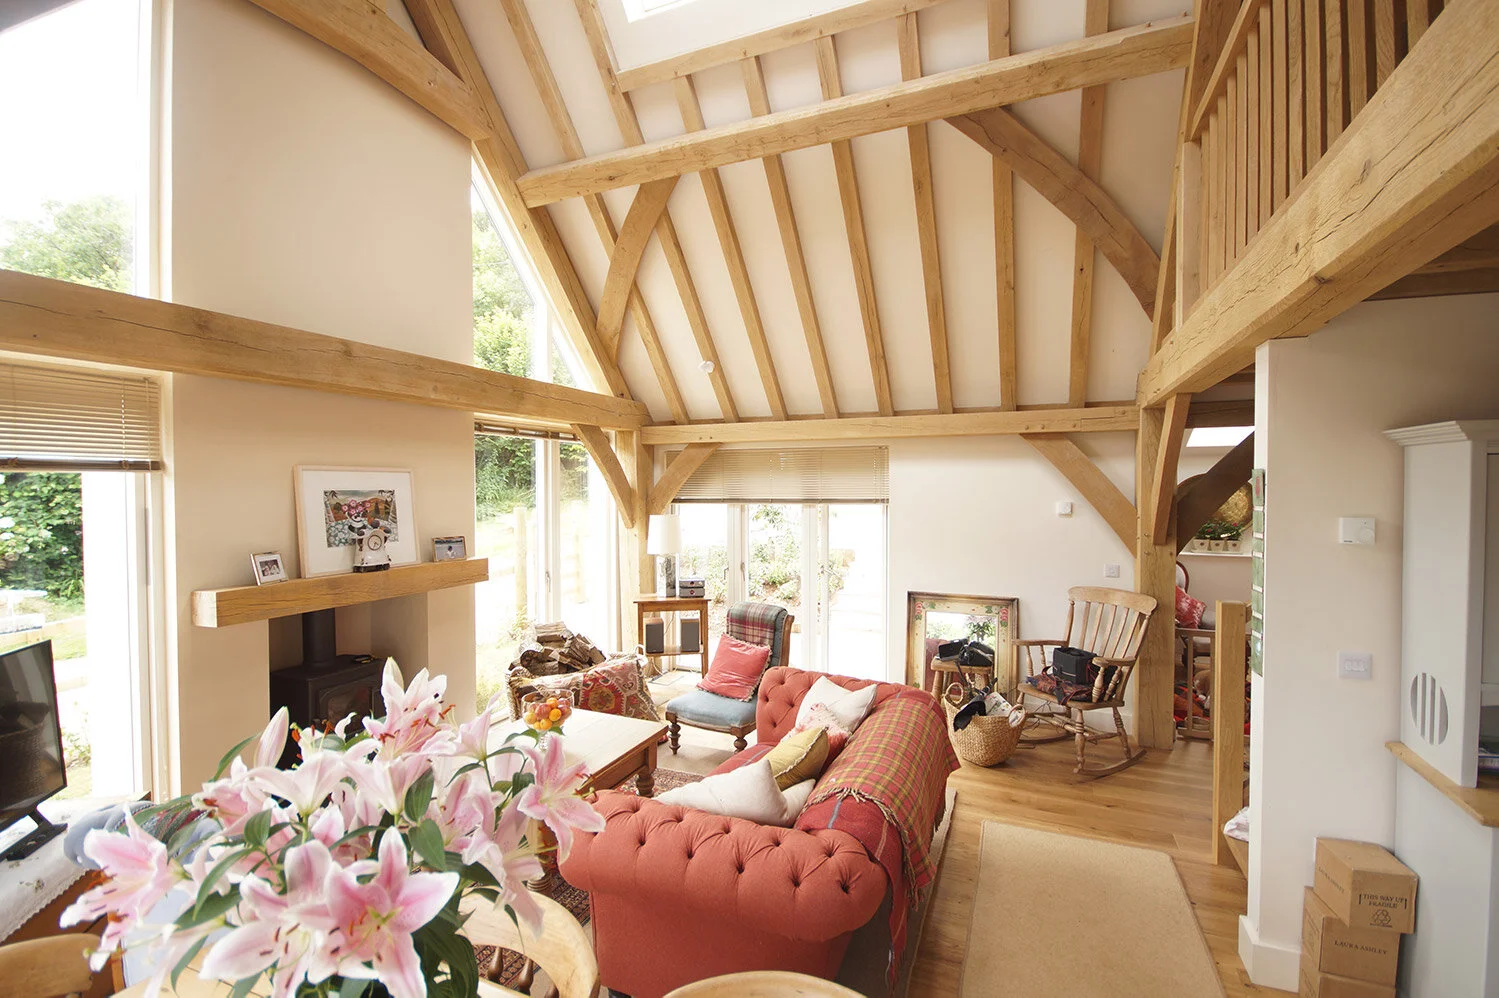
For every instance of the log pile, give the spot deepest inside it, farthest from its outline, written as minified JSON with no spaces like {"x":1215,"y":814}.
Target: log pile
{"x":553,"y":649}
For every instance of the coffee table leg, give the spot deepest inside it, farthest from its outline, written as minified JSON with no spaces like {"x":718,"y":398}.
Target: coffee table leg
{"x":646,"y":781}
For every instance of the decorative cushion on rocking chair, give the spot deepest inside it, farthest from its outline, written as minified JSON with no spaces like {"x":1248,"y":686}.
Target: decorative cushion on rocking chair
{"x":704,"y":709}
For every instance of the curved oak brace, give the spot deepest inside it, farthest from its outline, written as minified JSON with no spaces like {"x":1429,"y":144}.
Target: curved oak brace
{"x":1102,"y":494}
{"x":629,"y":247}
{"x":602,"y":452}
{"x":1075,"y":195}
{"x":676,"y":474}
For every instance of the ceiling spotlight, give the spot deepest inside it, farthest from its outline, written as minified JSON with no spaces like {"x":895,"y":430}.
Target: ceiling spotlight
{"x":706,"y":367}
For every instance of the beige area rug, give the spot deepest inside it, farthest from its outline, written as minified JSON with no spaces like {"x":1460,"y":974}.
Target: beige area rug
{"x":1067,"y":916}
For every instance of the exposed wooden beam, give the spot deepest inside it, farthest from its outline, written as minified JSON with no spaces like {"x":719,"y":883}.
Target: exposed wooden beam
{"x":728,"y":239}
{"x":640,"y":221}
{"x":602,"y":452}
{"x":926,"y":220}
{"x":958,"y":424}
{"x":1167,"y":460}
{"x":1155,"y":575}
{"x":1125,"y":54}
{"x":1452,"y":282}
{"x":1094,"y":486}
{"x":500,"y":163}
{"x":1074,"y":194}
{"x":666,"y":232}
{"x":1415,"y":174}
{"x":361,"y":30}
{"x":48,"y":318}
{"x":680,"y":468}
{"x":1004,"y":229}
{"x":1479,"y":253}
{"x":624,"y":295}
{"x":855,"y":15}
{"x":791,"y":243}
{"x":1089,"y":158}
{"x":1197,"y":502}
{"x":1227,"y":412}
{"x":637,"y":569}
{"x":858,"y":241}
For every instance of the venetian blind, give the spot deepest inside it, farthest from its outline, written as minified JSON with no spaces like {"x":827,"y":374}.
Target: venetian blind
{"x":72,"y":419}
{"x":804,"y":475}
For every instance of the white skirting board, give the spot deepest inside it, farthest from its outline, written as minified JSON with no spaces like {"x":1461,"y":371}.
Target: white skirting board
{"x":1269,"y":965}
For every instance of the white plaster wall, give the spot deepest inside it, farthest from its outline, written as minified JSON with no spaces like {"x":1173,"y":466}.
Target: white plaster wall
{"x":1318,"y":762}
{"x":300,"y":189}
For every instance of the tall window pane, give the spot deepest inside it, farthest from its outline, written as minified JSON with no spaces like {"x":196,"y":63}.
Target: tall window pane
{"x":505,"y":510}
{"x":775,"y":569}
{"x":705,"y":554}
{"x":854,"y":590}
{"x":585,"y":545}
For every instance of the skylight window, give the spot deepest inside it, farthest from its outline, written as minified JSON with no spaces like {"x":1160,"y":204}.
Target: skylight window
{"x":636,"y":9}
{"x":1218,"y":436}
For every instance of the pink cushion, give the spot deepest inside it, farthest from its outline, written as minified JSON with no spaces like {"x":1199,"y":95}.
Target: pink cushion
{"x":821,"y":717}
{"x":1189,"y":609}
{"x":736,"y":669}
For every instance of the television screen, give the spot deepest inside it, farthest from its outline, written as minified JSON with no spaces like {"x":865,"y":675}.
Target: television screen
{"x":31,"y":764}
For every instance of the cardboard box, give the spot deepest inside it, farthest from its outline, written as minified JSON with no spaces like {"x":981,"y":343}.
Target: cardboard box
{"x":1365,"y":886}
{"x":1319,"y":984}
{"x":1332,"y":947}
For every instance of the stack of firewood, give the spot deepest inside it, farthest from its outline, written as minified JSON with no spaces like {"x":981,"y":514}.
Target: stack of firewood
{"x":551,"y":649}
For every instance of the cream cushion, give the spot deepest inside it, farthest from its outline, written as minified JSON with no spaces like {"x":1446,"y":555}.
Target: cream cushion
{"x":849,"y":708}
{"x":749,"y":792}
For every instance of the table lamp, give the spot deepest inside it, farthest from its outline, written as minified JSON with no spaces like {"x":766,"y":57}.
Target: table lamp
{"x":664,"y":539}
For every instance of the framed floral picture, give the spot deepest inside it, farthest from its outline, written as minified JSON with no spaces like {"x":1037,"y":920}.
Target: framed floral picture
{"x":335,"y":505}
{"x":934,"y":618}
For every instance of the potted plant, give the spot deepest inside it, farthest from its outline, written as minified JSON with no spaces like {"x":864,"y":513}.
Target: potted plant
{"x":343,"y":875}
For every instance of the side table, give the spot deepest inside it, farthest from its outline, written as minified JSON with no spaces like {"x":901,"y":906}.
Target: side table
{"x":651,"y":604}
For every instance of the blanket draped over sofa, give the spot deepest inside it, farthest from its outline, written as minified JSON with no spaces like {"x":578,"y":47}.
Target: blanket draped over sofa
{"x":887,"y":790}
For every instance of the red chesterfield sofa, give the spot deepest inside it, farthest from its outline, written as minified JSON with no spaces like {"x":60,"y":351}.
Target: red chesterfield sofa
{"x":679,"y":895}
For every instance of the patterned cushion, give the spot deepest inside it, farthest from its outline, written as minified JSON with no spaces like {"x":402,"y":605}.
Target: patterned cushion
{"x":711,"y":710}
{"x":616,"y":687}
{"x":760,"y":624}
{"x":1189,"y":609}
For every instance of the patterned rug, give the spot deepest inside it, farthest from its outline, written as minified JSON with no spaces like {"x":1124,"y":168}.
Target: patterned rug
{"x":512,"y":965}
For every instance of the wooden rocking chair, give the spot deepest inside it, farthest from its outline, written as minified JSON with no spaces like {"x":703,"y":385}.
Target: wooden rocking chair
{"x":1111,"y":624}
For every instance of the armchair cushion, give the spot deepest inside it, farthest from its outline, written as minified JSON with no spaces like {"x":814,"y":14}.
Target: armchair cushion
{"x":736,"y":669}
{"x":703,"y":708}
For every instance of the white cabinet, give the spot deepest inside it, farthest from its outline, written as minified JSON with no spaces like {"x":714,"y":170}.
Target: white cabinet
{"x":1451,"y":590}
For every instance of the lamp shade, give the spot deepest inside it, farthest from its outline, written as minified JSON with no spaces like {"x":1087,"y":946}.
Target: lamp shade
{"x":664,"y":534}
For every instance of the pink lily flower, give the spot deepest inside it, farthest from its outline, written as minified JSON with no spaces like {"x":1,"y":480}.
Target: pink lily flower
{"x":286,"y":931}
{"x":273,"y":739}
{"x":233,"y":800}
{"x":473,"y":738}
{"x":140,"y":874}
{"x":412,"y":713}
{"x":374,"y":921}
{"x":307,"y":786}
{"x":553,"y":798}
{"x":513,"y":863}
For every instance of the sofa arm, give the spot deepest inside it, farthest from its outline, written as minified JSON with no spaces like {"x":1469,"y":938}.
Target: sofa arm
{"x":803,"y":885}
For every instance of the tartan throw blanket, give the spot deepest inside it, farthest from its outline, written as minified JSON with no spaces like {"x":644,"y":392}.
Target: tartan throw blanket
{"x":762,"y":624}
{"x":886,"y":790}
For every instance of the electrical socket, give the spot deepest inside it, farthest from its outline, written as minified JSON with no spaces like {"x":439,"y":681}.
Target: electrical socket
{"x":1064,"y":508}
{"x":1355,"y":665}
{"x":1111,"y":571}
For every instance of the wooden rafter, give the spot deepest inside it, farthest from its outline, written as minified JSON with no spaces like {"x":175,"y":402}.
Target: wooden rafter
{"x":1098,"y":418}
{"x":728,"y":239}
{"x":998,"y":23}
{"x":620,"y":486}
{"x":678,"y":470}
{"x":1221,"y":412}
{"x":666,"y":233}
{"x":1073,"y":193}
{"x":1455,"y":282}
{"x":858,"y":240}
{"x":1168,"y":457}
{"x":926,"y":220}
{"x":1415,"y":174}
{"x":1125,"y":54}
{"x":622,"y":293}
{"x":1094,"y":486}
{"x":1089,"y":157}
{"x":43,"y":317}
{"x":1198,"y":501}
{"x":640,"y":221}
{"x":791,"y":242}
{"x":855,"y":15}
{"x":500,"y":163}
{"x":361,"y":30}
{"x":1155,"y":575}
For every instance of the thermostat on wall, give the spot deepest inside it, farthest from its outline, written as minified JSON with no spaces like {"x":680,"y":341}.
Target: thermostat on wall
{"x":1355,"y":530}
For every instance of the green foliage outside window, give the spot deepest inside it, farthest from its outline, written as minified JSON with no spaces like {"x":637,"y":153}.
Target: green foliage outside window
{"x":41,"y":534}
{"x":85,"y":242}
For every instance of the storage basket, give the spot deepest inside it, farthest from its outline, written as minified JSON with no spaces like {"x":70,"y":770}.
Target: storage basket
{"x":986,"y":741}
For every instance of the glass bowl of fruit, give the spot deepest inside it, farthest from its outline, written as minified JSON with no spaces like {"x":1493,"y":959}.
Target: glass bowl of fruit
{"x":546,"y":710}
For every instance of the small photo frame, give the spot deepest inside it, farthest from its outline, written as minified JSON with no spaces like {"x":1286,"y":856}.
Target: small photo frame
{"x":449,"y":548}
{"x":268,"y":568}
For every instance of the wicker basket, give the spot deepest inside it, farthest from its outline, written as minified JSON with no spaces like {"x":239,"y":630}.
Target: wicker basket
{"x":986,"y":741}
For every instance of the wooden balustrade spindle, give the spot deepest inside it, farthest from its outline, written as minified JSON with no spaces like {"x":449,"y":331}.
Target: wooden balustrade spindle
{"x":1417,"y":20}
{"x":1266,"y":78}
{"x":1241,"y":89}
{"x":1249,"y":82}
{"x":1314,"y":70}
{"x":1358,"y":56}
{"x":1336,"y":98}
{"x":1280,"y":85}
{"x":1385,"y":55}
{"x":1295,"y":97}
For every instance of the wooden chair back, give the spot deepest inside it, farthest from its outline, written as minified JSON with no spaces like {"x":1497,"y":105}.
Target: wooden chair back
{"x":47,"y":968}
{"x":1111,"y":624}
{"x":560,"y":946}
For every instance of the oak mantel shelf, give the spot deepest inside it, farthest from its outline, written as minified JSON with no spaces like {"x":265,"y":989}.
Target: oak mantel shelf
{"x":243,"y":604}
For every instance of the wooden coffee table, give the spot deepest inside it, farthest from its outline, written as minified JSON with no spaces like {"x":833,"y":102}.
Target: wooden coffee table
{"x":613,"y":748}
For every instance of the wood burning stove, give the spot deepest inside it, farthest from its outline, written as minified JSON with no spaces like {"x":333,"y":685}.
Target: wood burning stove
{"x":326,"y":687}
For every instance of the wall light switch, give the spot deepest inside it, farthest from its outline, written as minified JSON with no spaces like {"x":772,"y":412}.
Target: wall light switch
{"x":1355,"y":665}
{"x":1111,"y":571}
{"x":1064,"y":508}
{"x":1355,"y":530}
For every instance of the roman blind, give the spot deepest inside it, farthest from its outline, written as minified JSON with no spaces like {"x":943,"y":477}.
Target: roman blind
{"x":802,"y":475}
{"x":73,"y":419}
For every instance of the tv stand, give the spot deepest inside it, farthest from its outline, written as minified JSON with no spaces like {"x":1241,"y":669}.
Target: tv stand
{"x":44,"y":832}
